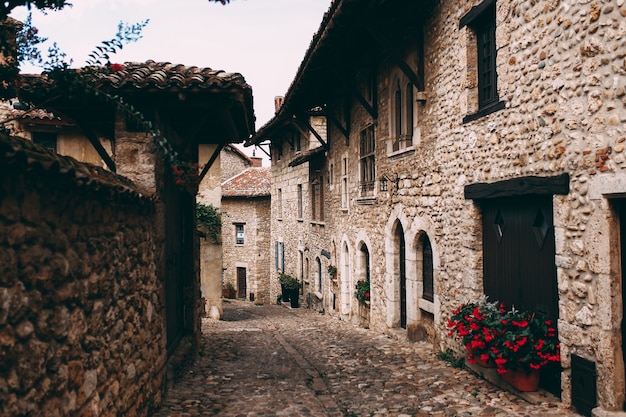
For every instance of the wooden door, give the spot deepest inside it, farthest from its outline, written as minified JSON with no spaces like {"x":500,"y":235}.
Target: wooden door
{"x":519,"y":260}
{"x":241,"y":283}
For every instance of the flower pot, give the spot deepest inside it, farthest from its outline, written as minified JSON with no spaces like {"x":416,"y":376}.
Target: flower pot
{"x":285,"y":293}
{"x":522,"y":380}
{"x":229,"y":293}
{"x":295,"y":298}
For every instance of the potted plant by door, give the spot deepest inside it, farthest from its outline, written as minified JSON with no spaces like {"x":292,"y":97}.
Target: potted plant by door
{"x":283,"y":279}
{"x":292,"y":286}
{"x":527,"y":344}
{"x":229,"y":291}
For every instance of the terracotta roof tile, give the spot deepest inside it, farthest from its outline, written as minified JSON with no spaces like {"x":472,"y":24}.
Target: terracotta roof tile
{"x":253,"y":182}
{"x":164,"y":75}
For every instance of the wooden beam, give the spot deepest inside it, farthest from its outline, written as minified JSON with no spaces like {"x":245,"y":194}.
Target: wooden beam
{"x":310,"y":129}
{"x":95,"y":142}
{"x":208,"y":165}
{"x":357,"y":94}
{"x":263,"y":150}
{"x":519,"y":187}
{"x":330,"y":116}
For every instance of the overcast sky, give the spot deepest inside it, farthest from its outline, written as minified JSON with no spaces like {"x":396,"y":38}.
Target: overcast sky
{"x":264,"y":40}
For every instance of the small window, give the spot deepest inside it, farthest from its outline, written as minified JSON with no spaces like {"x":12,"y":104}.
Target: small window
{"x":427,"y":269}
{"x":298,"y":142}
{"x":481,"y":20}
{"x":46,"y":139}
{"x":279,"y":209}
{"x":344,"y":183}
{"x":317,"y":199}
{"x":367,"y":162}
{"x":485,"y":28}
{"x":319,"y":275}
{"x":300,"y":214}
{"x":239,"y":234}
{"x":279,"y":256}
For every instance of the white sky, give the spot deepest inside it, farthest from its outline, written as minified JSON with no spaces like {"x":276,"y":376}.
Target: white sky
{"x":264,"y":40}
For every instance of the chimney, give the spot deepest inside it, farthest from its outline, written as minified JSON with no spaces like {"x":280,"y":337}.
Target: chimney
{"x":256,"y":161}
{"x":278,"y":103}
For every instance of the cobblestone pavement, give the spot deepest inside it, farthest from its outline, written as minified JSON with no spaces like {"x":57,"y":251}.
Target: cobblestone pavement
{"x":276,"y":361}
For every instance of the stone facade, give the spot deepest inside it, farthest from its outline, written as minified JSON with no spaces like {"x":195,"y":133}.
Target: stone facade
{"x":82,"y":327}
{"x":561,"y":78}
{"x":213,"y":256}
{"x":249,"y":257}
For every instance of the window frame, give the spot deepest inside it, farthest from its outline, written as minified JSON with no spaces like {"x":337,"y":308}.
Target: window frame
{"x":367,"y":161}
{"x":481,"y":19}
{"x":238,"y":227}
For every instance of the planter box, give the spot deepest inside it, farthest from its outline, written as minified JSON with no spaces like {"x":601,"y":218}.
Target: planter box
{"x":229,"y":293}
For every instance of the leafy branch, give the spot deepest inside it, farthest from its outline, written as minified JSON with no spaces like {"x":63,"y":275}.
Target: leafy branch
{"x":209,"y":218}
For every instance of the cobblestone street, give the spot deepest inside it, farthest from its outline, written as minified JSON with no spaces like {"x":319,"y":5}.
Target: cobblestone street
{"x":276,"y":361}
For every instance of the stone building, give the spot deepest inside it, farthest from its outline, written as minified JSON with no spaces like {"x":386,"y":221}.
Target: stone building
{"x":54,"y":133}
{"x":186,"y":107}
{"x":246,"y":233}
{"x":229,"y":162}
{"x":471,"y":148}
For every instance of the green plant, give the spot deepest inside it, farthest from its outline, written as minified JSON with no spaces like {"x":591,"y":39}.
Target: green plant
{"x":449,"y":356}
{"x":289,"y":282}
{"x":362,"y":290}
{"x":209,"y":219}
{"x":528,"y":342}
{"x":512,"y":339}
{"x":332,"y":271}
{"x":477,"y":325}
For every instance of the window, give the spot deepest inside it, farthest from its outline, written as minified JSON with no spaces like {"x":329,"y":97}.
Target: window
{"x":279,"y":209}
{"x":485,"y":28}
{"x":279,"y":256}
{"x":300,"y":201}
{"x":46,"y":139}
{"x":427,"y":269}
{"x":317,"y":197}
{"x":319,"y":275}
{"x":278,"y":150}
{"x":367,"y":160}
{"x":331,"y":175}
{"x":481,"y":19}
{"x":344,"y":183}
{"x":402,"y":115}
{"x":239,"y":234}
{"x":298,"y":142}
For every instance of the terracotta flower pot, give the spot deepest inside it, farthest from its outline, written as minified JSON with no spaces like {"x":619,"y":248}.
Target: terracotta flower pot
{"x":522,"y":381}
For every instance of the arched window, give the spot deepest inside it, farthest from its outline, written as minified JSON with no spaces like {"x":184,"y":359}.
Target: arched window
{"x":319,"y":275}
{"x":427,"y":268}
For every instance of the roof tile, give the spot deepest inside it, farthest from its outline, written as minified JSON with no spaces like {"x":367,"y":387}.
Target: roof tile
{"x":253,"y":182}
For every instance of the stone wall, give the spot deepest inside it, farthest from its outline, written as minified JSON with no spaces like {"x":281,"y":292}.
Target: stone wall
{"x":562,"y":75}
{"x":81,"y":306}
{"x":254,"y":214}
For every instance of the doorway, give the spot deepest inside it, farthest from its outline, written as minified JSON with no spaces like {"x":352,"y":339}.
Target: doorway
{"x":242,"y":290}
{"x":519,"y":266}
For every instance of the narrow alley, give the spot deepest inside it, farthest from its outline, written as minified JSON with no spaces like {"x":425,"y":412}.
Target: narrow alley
{"x":276,"y":361}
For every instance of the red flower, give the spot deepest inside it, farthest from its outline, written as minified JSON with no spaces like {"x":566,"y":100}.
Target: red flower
{"x":117,"y":67}
{"x":367,"y":295}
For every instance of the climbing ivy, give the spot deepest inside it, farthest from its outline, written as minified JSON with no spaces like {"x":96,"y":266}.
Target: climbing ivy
{"x":209,"y":218}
